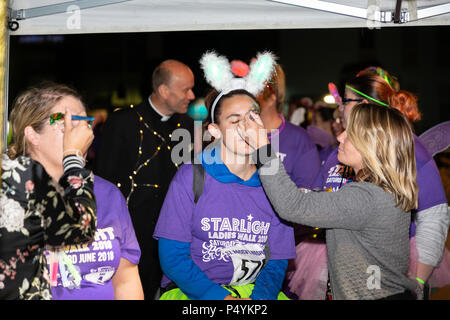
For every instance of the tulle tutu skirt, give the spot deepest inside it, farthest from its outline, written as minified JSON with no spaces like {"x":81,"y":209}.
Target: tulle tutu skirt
{"x":441,"y":274}
{"x":307,"y":274}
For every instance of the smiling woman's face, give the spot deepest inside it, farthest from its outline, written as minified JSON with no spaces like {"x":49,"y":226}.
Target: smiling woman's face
{"x":233,"y":110}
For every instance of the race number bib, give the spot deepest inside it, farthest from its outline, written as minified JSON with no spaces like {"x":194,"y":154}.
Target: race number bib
{"x":248,"y":260}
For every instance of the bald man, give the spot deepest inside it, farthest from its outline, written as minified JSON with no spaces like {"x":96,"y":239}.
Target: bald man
{"x":135,"y":155}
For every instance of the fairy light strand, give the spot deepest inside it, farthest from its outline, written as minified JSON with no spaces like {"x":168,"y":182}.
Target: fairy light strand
{"x":139,"y":164}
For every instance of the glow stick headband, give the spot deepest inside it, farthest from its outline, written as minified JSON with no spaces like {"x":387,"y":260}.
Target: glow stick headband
{"x":379,"y":72}
{"x":366,"y":96}
{"x":219,"y":75}
{"x":382,"y":73}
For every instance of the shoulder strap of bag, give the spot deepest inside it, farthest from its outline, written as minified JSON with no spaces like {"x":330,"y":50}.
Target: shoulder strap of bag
{"x":198,"y":180}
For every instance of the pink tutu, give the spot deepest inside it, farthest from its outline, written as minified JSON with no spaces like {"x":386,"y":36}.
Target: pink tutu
{"x":307,"y":277}
{"x":441,"y":274}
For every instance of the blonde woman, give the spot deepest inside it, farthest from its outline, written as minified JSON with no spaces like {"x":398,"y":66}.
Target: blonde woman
{"x":36,"y":210}
{"x":106,"y":267}
{"x":367,"y":221}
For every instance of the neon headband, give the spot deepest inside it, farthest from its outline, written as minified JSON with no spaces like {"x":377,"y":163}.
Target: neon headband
{"x":379,"y":72}
{"x":218,"y":73}
{"x":383,"y":74}
{"x":366,"y":96}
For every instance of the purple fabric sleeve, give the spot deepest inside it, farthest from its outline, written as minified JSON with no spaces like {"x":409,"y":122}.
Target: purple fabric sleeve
{"x":115,"y":213}
{"x":129,"y":247}
{"x":431,"y":190}
{"x":178,"y":206}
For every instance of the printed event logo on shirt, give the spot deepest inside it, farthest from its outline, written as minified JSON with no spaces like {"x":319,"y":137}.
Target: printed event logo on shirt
{"x":281,"y":156}
{"x":99,"y":251}
{"x":336,"y":179}
{"x":241,"y":241}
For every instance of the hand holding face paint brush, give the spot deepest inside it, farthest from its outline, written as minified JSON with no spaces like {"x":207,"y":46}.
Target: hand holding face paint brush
{"x":252,"y":130}
{"x":76,"y":137}
{"x":60,"y":116}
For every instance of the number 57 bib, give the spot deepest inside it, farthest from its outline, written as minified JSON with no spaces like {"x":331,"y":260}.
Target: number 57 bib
{"x":248,"y":260}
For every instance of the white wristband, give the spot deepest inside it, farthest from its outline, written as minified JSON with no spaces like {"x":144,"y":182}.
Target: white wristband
{"x":73,"y":161}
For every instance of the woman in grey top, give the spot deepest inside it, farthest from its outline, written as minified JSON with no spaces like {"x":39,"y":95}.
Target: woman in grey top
{"x":368,"y":221}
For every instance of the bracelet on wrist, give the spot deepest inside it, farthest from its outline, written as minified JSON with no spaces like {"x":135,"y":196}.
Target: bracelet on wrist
{"x":75,"y":152}
{"x":420,"y":281}
{"x":73,"y":161}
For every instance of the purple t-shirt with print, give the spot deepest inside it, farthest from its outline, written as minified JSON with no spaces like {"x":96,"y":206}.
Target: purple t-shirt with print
{"x":228,"y":229}
{"x":98,"y":261}
{"x":297,"y":152}
{"x":431,"y":190}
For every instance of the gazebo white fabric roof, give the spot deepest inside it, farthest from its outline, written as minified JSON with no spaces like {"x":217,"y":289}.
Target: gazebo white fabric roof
{"x":100,"y":16}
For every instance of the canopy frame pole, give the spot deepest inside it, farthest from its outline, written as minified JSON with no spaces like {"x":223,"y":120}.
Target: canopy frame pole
{"x":21,"y":14}
{"x":5,"y":80}
{"x":433,"y":11}
{"x":4,"y":75}
{"x":327,"y":6}
{"x":401,"y":16}
{"x":398,"y":9}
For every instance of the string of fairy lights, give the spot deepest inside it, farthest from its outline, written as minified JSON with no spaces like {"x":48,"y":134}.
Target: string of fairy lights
{"x":143,"y":125}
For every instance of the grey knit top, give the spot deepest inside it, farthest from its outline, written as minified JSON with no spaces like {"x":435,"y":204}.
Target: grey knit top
{"x":367,"y":236}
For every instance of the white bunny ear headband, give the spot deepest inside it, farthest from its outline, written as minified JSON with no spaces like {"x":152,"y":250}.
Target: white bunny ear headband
{"x":219,"y":75}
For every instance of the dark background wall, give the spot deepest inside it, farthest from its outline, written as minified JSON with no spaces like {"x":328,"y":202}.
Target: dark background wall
{"x":112,"y":70}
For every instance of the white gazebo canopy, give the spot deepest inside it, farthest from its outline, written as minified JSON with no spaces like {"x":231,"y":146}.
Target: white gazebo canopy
{"x":101,"y":16}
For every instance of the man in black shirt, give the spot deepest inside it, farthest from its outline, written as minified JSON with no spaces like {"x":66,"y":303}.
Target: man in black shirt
{"x":135,"y":155}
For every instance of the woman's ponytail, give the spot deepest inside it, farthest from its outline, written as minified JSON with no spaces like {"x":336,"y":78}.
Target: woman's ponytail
{"x":406,"y":103}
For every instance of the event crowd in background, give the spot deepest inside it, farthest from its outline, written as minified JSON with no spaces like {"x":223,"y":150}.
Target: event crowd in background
{"x":335,"y":199}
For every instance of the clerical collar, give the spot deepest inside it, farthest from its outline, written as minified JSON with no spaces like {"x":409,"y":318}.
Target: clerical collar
{"x":164,"y":118}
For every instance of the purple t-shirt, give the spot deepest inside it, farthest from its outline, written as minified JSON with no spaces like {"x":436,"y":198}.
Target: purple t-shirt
{"x":228,"y":229}
{"x":431,"y":190}
{"x":98,"y":261}
{"x":297,"y":152}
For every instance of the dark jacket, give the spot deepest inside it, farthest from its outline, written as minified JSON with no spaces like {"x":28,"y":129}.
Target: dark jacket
{"x":137,"y":144}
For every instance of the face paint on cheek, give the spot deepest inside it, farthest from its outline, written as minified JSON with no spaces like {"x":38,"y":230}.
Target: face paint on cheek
{"x":255,"y":108}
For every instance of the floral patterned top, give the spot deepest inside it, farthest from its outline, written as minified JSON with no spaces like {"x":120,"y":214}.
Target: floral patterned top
{"x":34,"y":212}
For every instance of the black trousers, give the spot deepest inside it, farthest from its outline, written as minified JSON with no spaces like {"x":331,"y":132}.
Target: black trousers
{"x":144,"y":222}
{"x":149,"y":269}
{"x":406,"y":295}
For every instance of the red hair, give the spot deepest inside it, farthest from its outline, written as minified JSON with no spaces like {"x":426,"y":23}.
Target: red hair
{"x":406,"y":103}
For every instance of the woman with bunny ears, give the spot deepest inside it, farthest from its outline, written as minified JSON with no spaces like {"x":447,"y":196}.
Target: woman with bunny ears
{"x":228,"y":243}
